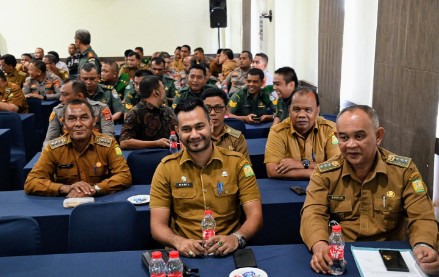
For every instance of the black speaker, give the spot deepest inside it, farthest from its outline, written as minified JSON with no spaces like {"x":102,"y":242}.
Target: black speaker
{"x":218,"y":14}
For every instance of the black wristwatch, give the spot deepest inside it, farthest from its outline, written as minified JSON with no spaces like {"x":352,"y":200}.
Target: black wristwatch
{"x":306,"y":163}
{"x":241,"y":240}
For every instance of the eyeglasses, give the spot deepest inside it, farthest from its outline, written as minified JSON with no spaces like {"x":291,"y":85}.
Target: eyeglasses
{"x":217,"y":109}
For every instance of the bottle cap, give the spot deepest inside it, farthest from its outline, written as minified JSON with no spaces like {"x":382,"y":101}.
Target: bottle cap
{"x":336,"y":228}
{"x":172,"y":132}
{"x":156,"y":255}
{"x":208,"y":212}
{"x":173,"y":254}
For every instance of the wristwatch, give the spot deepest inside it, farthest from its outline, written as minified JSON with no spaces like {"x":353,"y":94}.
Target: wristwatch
{"x":241,"y":240}
{"x":98,"y":190}
{"x":306,"y":163}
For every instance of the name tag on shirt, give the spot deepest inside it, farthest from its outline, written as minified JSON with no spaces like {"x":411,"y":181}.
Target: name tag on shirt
{"x":65,"y":166}
{"x":337,"y":197}
{"x":184,"y":185}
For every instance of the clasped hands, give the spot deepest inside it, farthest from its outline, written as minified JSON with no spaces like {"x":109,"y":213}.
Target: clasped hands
{"x":218,"y":245}
{"x":78,"y":189}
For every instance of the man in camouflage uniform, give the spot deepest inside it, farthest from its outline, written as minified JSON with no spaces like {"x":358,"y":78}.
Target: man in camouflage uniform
{"x":8,"y":64}
{"x":196,"y":85}
{"x":133,"y":64}
{"x":158,"y":68}
{"x":89,"y":75}
{"x":223,"y":135}
{"x":82,"y":163}
{"x":109,"y":79}
{"x":284,"y":83}
{"x":76,"y":89}
{"x":133,"y":97}
{"x":373,"y":194}
{"x":23,"y":66}
{"x":252,"y":104}
{"x":238,"y":78}
{"x":11,"y":96}
{"x":87,"y":54}
{"x":41,"y":84}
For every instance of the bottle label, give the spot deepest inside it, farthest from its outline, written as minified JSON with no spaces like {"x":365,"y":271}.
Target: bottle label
{"x":174,"y":144}
{"x":158,"y":275}
{"x":336,"y":252}
{"x":175,"y":274}
{"x":207,"y":234}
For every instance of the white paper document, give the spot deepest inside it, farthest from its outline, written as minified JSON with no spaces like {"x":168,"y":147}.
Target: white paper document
{"x":370,"y":264}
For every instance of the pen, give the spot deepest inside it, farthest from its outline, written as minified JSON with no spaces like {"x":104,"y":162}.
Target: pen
{"x":313,"y":157}
{"x":384,"y":201}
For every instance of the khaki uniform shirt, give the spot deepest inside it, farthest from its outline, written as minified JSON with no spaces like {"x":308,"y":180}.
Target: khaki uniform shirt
{"x":285,"y":142}
{"x":242,"y":103}
{"x":228,"y":66}
{"x":187,"y":189}
{"x":392,"y":197}
{"x":182,"y":80}
{"x":101,"y":163}
{"x":18,"y":77}
{"x":62,"y":74}
{"x":104,"y":123}
{"x":237,"y":79}
{"x":49,"y":87}
{"x":108,"y":97}
{"x":89,"y":56}
{"x":12,"y":94}
{"x":233,"y":140}
{"x":131,"y":71}
{"x":177,"y":65}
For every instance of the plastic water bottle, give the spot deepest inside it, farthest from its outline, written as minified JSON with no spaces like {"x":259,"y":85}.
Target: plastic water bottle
{"x":173,"y":143}
{"x":208,"y":225}
{"x":336,"y":251}
{"x":174,"y":265}
{"x":157,"y":267}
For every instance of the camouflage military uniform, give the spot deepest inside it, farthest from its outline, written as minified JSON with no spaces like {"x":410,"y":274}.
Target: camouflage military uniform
{"x":242,"y":102}
{"x":89,"y":56}
{"x":108,"y":97}
{"x":170,"y":89}
{"x":131,"y":99}
{"x":104,"y":123}
{"x":13,"y":94}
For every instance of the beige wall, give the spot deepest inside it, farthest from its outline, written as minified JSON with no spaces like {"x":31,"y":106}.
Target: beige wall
{"x":115,"y":25}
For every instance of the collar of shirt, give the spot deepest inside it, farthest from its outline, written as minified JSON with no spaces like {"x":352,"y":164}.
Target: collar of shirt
{"x":223,"y":132}
{"x":185,"y":157}
{"x":379,"y":166}
{"x":315,"y":127}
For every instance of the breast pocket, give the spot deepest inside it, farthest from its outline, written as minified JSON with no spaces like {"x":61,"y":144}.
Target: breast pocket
{"x":66,"y":175}
{"x":340,"y":209}
{"x":184,"y":201}
{"x":388,"y":211}
{"x":227,"y":200}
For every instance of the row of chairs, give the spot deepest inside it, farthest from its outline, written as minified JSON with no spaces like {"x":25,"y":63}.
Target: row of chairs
{"x":93,"y":227}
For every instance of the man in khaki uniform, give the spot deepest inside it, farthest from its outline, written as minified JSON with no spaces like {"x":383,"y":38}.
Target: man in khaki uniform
{"x":76,"y":89}
{"x":203,"y":177}
{"x":8,"y":64}
{"x":11,"y":97}
{"x":296,"y":145}
{"x":223,"y":135}
{"x":23,"y":66}
{"x":81,"y":163}
{"x":228,"y":64}
{"x":183,"y":74}
{"x":372,"y":193}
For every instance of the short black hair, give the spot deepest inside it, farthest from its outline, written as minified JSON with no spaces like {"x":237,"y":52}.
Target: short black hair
{"x":250,"y":55}
{"x":132,"y":53}
{"x":143,"y":73}
{"x":190,"y":105}
{"x":79,"y":102}
{"x":126,"y":52}
{"x":112,"y":63}
{"x":158,"y":60}
{"x":228,"y":52}
{"x":3,"y":76}
{"x":164,"y":55}
{"x":27,"y":55}
{"x":289,"y":74}
{"x":304,"y":90}
{"x":40,"y":65}
{"x":51,"y":58}
{"x":219,"y":50}
{"x":9,"y":59}
{"x":187,"y":46}
{"x":263,"y":56}
{"x":199,"y":49}
{"x":148,"y":85}
{"x":214,"y":92}
{"x":256,"y":71}
{"x":198,"y":66}
{"x":87,"y":67}
{"x":78,"y":86}
{"x":54,"y":54}
{"x":139,"y":48}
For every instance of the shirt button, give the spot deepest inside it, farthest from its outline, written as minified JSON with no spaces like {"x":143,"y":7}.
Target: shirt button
{"x":205,"y":190}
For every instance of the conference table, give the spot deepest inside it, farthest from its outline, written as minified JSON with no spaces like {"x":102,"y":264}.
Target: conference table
{"x":281,"y":211}
{"x":275,"y":260}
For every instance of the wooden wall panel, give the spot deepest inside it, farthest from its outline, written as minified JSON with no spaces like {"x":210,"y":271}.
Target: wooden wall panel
{"x":331,"y":24}
{"x":406,"y":79}
{"x":246,"y":25}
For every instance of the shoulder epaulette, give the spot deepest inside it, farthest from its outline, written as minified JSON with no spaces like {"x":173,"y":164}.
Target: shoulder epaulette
{"x":109,"y":87}
{"x":22,"y":73}
{"x":172,"y":157}
{"x":398,"y":160}
{"x":58,"y":142}
{"x":328,"y":166}
{"x":233,"y":132}
{"x":104,"y":141}
{"x":280,"y":126}
{"x":228,"y":152}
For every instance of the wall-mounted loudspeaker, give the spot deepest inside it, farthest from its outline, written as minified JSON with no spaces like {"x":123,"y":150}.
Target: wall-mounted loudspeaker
{"x":218,"y":13}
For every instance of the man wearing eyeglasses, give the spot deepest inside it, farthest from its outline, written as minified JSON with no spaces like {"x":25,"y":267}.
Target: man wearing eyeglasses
{"x":89,"y":75}
{"x":196,"y":85}
{"x":225,"y":136}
